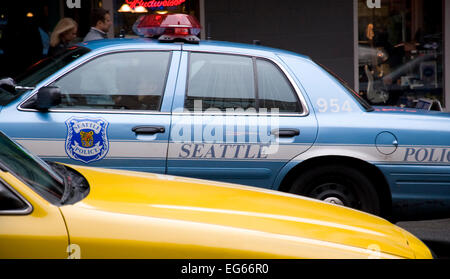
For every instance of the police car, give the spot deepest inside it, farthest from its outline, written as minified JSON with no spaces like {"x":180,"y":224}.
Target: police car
{"x":223,"y":111}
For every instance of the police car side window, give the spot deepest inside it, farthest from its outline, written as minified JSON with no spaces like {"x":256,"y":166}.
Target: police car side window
{"x":220,"y":81}
{"x":124,"y":80}
{"x":275,"y":90}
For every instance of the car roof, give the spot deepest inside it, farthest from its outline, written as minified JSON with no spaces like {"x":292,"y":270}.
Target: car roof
{"x":139,"y":42}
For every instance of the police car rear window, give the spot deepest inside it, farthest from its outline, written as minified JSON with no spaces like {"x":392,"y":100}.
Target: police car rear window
{"x":223,"y":82}
{"x":220,"y":81}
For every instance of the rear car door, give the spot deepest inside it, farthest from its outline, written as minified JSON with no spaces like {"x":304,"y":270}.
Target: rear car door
{"x":237,"y":117}
{"x":115,"y":112}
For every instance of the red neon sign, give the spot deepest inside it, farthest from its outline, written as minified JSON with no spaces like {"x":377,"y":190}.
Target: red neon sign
{"x":153,"y":3}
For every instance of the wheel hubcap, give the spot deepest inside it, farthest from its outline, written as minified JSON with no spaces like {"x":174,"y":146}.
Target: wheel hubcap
{"x":334,"y":200}
{"x":335,"y":193}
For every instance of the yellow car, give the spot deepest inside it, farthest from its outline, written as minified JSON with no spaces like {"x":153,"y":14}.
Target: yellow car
{"x":58,"y":211}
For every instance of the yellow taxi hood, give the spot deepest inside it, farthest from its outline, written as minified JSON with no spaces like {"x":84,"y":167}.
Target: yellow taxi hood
{"x":132,"y":205}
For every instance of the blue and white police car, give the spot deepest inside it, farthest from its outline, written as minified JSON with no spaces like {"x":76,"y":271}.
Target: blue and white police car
{"x":231,"y":112}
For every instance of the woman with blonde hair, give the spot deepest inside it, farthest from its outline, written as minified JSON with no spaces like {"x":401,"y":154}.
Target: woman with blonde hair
{"x":64,"y":33}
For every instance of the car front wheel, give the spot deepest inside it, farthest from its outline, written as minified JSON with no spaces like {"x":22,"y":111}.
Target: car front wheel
{"x":341,"y":185}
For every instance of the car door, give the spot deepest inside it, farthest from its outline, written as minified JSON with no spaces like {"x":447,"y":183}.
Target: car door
{"x":29,"y":230}
{"x":114,"y":112}
{"x":237,"y":118}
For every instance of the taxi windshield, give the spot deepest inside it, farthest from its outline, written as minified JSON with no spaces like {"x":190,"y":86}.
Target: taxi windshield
{"x":40,"y":71}
{"x":30,"y":169}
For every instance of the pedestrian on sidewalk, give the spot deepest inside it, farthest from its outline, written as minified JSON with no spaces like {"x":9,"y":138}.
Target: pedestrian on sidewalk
{"x":62,"y":36}
{"x":101,"y":23}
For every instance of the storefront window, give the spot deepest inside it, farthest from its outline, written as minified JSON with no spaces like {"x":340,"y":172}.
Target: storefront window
{"x":401,"y":52}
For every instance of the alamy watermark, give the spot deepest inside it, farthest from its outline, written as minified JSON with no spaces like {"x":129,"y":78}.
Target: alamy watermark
{"x":372,"y":4}
{"x":230,"y":133}
{"x":71,"y":4}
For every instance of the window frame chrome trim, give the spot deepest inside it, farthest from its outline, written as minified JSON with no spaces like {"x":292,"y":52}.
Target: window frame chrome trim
{"x":25,"y":211}
{"x":87,"y":60}
{"x":294,"y":85}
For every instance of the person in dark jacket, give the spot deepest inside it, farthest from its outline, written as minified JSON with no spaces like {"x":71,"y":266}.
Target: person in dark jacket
{"x":22,"y":45}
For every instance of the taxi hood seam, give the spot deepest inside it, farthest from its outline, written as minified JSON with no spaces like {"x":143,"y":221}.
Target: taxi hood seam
{"x":66,"y":226}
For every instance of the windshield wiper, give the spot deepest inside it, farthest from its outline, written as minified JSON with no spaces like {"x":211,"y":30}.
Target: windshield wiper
{"x":17,"y":88}
{"x":68,"y":189}
{"x":63,"y":173}
{"x":76,"y":186}
{"x":10,"y":85}
{"x":3,"y":168}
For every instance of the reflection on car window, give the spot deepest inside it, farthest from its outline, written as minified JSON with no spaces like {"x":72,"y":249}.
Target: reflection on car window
{"x":48,"y":66}
{"x":352,"y":92}
{"x":30,"y":169}
{"x":220,"y":81}
{"x":126,"y":80}
{"x":223,"y":81}
{"x":274,"y":90}
{"x":9,"y":201}
{"x":40,"y":71}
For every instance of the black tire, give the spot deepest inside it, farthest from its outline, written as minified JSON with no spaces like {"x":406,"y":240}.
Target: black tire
{"x":338,"y":184}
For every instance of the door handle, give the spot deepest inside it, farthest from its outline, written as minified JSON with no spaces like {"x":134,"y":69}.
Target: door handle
{"x":149,"y":130}
{"x":286,"y":133}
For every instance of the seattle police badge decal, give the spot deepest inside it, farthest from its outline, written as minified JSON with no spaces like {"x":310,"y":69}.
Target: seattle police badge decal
{"x":87,"y":139}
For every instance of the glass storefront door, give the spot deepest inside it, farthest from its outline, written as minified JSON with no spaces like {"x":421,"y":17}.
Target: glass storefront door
{"x":400,"y":45}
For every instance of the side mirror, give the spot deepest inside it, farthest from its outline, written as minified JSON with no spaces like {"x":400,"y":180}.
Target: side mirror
{"x":48,"y":97}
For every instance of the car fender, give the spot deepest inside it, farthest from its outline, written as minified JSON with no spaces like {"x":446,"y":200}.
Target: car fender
{"x":366,"y":153}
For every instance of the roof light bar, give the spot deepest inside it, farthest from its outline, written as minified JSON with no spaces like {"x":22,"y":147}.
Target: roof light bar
{"x":168,"y":27}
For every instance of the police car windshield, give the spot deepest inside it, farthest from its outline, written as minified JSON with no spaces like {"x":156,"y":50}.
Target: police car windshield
{"x":50,"y":65}
{"x":40,"y":71}
{"x":30,"y":169}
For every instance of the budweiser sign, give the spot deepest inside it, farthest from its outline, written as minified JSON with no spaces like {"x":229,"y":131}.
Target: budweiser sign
{"x":154,"y":4}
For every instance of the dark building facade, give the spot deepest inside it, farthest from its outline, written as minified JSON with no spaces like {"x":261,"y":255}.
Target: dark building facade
{"x":394,"y":52}
{"x":321,"y":29}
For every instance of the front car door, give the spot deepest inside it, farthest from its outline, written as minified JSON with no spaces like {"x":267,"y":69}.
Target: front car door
{"x":31,"y":225}
{"x":237,"y":117}
{"x":29,"y":230}
{"x":115,"y":112}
